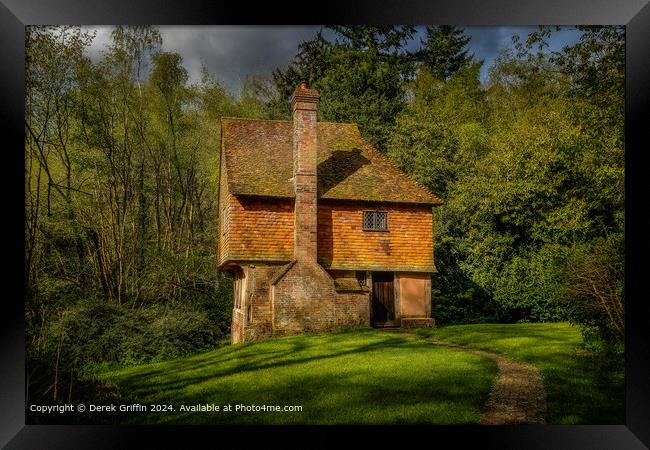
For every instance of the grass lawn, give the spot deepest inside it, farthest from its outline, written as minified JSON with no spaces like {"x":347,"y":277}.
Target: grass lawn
{"x":365,"y":376}
{"x":581,"y":388}
{"x":373,"y":377}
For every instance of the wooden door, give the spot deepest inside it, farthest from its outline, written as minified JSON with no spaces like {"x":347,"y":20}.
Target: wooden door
{"x":383,"y":298}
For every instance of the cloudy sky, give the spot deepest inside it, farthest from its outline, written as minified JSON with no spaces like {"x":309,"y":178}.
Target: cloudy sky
{"x":233,"y":52}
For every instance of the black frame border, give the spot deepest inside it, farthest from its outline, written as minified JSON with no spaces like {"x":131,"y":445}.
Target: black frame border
{"x":635,"y":14}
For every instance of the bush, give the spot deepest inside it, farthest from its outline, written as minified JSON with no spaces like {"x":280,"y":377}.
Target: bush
{"x":92,"y":335}
{"x":529,"y":287}
{"x":95,"y":332}
{"x":594,"y":276}
{"x":468,"y":306}
{"x":455,"y":297}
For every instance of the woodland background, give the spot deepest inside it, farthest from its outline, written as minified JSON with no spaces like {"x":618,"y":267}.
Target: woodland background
{"x":121,"y":177}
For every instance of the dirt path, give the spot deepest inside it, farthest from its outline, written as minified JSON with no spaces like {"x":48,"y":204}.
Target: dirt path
{"x":518,"y":395}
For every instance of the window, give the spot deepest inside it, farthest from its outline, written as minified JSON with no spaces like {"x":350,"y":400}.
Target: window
{"x":361,"y":278}
{"x":224,"y":218}
{"x":375,"y":220}
{"x":237,"y":285}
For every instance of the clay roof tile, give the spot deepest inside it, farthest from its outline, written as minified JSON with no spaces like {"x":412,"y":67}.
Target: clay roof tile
{"x":258,"y":159}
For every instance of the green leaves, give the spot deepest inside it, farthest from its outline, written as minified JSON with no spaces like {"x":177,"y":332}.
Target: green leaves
{"x":444,"y":50}
{"x":360,"y":74}
{"x":441,"y":128}
{"x":529,"y":165}
{"x":168,"y":74}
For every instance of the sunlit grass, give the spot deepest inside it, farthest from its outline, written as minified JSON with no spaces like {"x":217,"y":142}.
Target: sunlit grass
{"x":582,"y":388}
{"x":366,"y":377}
{"x":372,"y":377}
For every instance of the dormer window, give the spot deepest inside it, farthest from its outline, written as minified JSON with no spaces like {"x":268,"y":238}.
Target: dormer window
{"x":375,"y":220}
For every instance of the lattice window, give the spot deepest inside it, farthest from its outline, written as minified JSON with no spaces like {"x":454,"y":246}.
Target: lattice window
{"x":375,"y":220}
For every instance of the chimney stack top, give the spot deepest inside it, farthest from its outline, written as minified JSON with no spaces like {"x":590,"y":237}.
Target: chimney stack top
{"x":304,"y":98}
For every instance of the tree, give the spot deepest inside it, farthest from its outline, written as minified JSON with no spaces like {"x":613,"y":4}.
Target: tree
{"x":308,"y":65}
{"x":530,"y":166}
{"x":360,"y":75}
{"x":444,"y":50}
{"x":442,"y":130}
{"x":52,"y":185}
{"x":120,"y":197}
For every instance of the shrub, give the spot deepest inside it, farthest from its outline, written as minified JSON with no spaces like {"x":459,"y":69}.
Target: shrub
{"x":595,"y":279}
{"x":96,"y":332}
{"x":529,"y":287}
{"x":93,"y":334}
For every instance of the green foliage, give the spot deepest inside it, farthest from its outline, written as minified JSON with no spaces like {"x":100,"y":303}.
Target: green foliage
{"x":120,"y":203}
{"x":594,"y":277}
{"x":444,"y":50}
{"x":308,"y":65}
{"x":362,"y":72}
{"x":95,"y":332}
{"x":359,"y":87}
{"x":442,"y":129}
{"x":529,"y":287}
{"x":530,"y":165}
{"x":360,"y":76}
{"x":90,"y":334}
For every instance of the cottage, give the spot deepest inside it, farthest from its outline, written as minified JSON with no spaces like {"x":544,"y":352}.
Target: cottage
{"x":319,"y":230}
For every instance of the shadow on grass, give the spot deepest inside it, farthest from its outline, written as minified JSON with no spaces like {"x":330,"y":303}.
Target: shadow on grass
{"x":353,"y":377}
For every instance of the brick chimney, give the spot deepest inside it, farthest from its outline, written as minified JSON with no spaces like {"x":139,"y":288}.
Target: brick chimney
{"x":304,"y":104}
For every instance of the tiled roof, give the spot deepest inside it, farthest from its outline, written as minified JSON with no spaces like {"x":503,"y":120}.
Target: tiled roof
{"x":258,"y":158}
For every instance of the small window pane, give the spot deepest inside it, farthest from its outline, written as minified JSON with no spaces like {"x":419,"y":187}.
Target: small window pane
{"x":380,"y":219}
{"x":368,"y":220}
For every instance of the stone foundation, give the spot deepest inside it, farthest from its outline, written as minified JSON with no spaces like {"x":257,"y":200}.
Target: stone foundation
{"x":288,"y":299}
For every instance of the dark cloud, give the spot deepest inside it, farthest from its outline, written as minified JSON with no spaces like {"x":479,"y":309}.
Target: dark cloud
{"x":487,"y":42}
{"x":231,"y":53}
{"x":234,"y":52}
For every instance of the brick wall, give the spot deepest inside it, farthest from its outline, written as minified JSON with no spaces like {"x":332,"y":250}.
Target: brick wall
{"x":263,"y":229}
{"x":258,"y":323}
{"x":305,"y":299}
{"x":253,"y":320}
{"x":238,"y":319}
{"x":304,"y":105}
{"x":343,"y":244}
{"x":352,"y":309}
{"x":258,"y":230}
